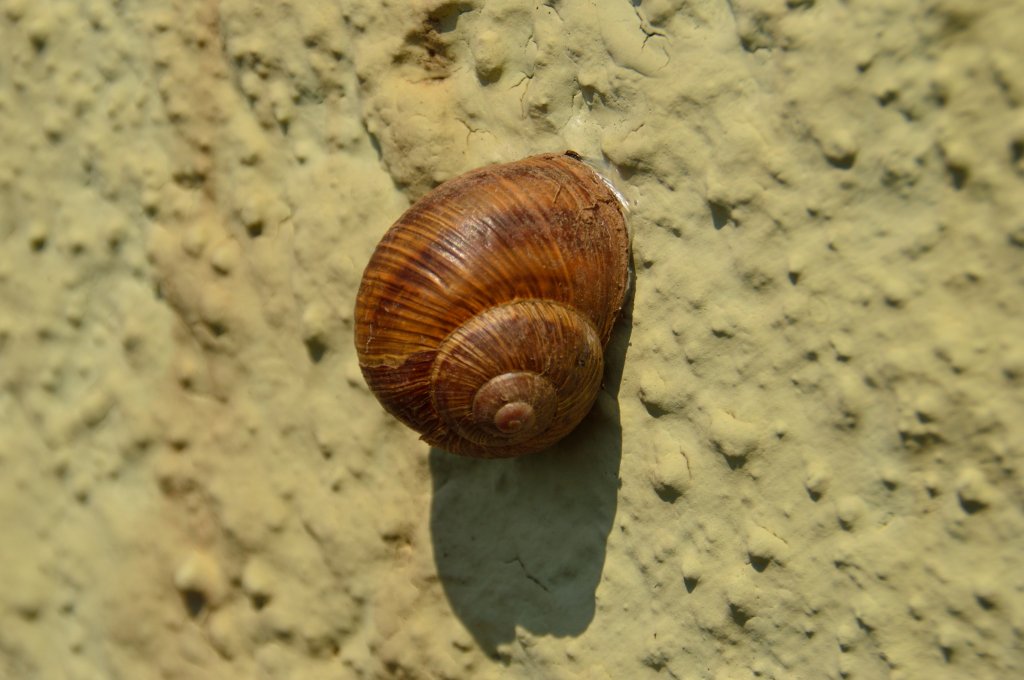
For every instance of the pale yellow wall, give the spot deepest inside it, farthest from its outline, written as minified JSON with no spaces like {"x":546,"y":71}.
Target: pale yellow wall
{"x":806,"y":461}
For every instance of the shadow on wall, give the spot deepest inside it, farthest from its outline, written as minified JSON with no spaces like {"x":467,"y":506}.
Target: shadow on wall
{"x":521,"y":542}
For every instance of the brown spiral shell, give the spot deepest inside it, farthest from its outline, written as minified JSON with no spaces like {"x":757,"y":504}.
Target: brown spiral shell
{"x":483,"y":313}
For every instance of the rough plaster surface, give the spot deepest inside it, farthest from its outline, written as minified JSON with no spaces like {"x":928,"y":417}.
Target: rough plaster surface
{"x":807,"y":460}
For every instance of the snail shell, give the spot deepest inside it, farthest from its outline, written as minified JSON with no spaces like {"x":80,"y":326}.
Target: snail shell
{"x":483,"y":313}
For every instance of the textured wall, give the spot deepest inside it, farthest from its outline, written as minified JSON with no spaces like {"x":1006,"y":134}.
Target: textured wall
{"x":806,"y":461}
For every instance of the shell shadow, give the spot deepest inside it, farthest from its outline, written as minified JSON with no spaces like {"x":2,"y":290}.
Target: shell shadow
{"x":521,"y":542}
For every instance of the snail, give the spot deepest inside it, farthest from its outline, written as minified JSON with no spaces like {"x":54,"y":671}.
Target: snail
{"x":483,"y":313}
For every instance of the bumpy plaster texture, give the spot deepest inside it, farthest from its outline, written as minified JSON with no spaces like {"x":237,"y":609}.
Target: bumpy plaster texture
{"x":806,"y":462}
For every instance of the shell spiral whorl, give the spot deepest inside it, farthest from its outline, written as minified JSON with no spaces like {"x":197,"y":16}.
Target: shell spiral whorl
{"x":484,"y":311}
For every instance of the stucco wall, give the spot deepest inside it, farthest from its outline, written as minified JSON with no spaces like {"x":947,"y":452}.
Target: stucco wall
{"x":806,"y":459}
